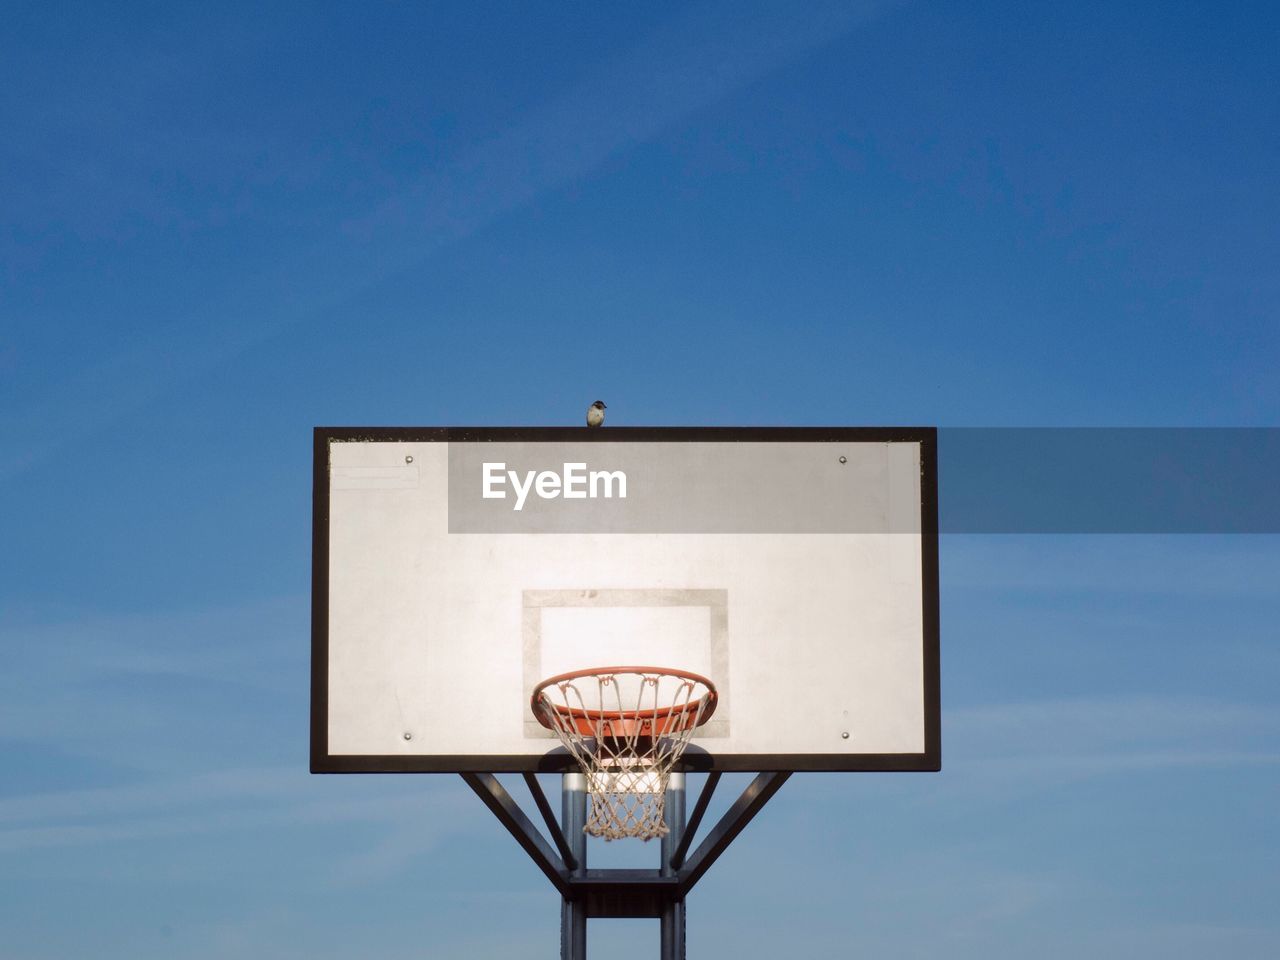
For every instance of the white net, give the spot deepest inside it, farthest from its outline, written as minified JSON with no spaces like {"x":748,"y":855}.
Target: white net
{"x":627,"y":728}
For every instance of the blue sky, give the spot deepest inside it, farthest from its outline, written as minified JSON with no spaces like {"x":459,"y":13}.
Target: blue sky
{"x":222,"y":226}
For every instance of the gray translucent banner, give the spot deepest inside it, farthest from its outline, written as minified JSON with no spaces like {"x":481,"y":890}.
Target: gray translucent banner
{"x":990,"y":480}
{"x":684,"y":487}
{"x":1105,"y":480}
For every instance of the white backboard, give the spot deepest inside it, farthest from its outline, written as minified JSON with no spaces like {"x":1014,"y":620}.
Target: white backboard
{"x":456,"y":568}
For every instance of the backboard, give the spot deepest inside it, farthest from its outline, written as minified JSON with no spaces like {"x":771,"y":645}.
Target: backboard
{"x":456,"y":568}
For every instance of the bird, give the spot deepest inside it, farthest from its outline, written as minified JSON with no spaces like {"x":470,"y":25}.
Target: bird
{"x":595,"y":414}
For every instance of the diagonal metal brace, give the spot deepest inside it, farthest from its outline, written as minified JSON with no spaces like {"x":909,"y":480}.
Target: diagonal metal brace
{"x":758,"y":793}
{"x":549,"y":818}
{"x":489,"y":789}
{"x":695,"y":820}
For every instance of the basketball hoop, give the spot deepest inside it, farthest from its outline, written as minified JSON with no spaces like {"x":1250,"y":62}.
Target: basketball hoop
{"x":627,"y":727}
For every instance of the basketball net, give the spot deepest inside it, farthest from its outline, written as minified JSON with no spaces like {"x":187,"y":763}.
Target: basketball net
{"x":627,"y":728}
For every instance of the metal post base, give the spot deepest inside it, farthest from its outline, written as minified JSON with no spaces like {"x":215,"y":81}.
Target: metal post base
{"x":573,"y":910}
{"x":673,"y":910}
{"x":660,"y":893}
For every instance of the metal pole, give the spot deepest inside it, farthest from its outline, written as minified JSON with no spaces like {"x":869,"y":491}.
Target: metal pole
{"x":673,"y":912}
{"x":573,"y":817}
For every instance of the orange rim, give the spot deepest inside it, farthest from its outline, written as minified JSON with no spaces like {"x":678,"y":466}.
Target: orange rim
{"x":650,"y":722}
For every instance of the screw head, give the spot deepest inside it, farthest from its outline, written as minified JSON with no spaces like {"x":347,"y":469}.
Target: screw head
{"x":845,"y":735}
{"x":409,"y":736}
{"x":408,"y":459}
{"x":844,"y":459}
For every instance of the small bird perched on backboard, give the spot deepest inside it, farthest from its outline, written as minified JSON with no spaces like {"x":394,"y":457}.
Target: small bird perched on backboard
{"x":595,"y":414}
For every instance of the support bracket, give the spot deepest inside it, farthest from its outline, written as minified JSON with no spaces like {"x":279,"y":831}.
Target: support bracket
{"x":489,"y":789}
{"x":619,"y":892}
{"x":758,"y":792}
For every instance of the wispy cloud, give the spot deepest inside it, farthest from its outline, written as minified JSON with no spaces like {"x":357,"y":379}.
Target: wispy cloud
{"x":153,"y":796}
{"x":165,"y":691}
{"x":695,"y":60}
{"x":195,"y":708}
{"x":408,"y":818}
{"x":1001,"y":751}
{"x":1184,"y":941}
{"x":1103,"y":724}
{"x":246,"y":643}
